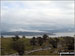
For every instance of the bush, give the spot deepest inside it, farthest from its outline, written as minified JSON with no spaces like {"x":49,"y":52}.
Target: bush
{"x":19,"y":46}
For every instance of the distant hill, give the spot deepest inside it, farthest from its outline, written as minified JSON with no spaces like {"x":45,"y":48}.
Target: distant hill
{"x":25,"y":33}
{"x":32,"y":33}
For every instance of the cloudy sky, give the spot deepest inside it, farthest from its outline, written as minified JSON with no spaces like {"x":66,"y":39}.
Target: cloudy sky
{"x":36,"y":15}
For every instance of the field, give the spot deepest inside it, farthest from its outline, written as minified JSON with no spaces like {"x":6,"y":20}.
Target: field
{"x":45,"y":49}
{"x":6,"y":45}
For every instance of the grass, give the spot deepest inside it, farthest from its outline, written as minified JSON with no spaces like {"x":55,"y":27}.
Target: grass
{"x":6,"y":47}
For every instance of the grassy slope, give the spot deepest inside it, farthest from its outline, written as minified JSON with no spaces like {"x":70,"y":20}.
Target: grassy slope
{"x":6,"y":46}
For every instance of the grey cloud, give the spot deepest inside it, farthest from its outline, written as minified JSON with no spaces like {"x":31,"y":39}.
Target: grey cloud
{"x":37,"y":15}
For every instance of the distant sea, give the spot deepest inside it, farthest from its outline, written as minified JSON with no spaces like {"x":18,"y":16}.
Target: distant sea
{"x":63,"y":34}
{"x":59,"y":34}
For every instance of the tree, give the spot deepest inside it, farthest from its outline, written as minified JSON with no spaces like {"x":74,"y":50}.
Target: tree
{"x":45,"y":36}
{"x":13,"y":38}
{"x":66,"y":43}
{"x":23,"y":36}
{"x":40,"y":41}
{"x":69,"y":43}
{"x":17,"y":37}
{"x":33,"y":41}
{"x":19,"y":46}
{"x":53,"y":42}
{"x":2,"y":36}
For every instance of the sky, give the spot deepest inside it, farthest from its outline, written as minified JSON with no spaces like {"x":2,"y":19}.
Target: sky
{"x":36,"y":15}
